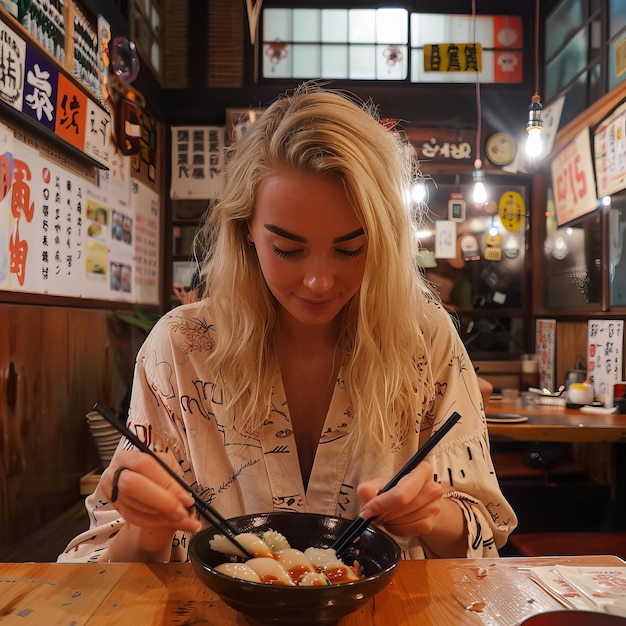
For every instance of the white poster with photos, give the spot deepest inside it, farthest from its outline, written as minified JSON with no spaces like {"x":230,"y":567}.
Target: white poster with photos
{"x":64,"y":235}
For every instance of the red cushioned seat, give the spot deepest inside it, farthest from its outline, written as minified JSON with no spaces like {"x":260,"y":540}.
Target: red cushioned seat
{"x":569,"y":544}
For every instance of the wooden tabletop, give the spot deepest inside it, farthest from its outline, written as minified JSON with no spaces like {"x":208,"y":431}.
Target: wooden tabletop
{"x":549,"y":423}
{"x":496,"y":592}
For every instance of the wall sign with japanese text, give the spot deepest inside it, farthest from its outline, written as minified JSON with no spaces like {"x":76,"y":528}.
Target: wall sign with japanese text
{"x":573,"y":180}
{"x":13,"y":62}
{"x":63,"y":234}
{"x":33,"y":85}
{"x":546,"y":342}
{"x":610,"y":153}
{"x":442,"y":146}
{"x":453,"y":57}
{"x":197,"y":161}
{"x":605,"y":344}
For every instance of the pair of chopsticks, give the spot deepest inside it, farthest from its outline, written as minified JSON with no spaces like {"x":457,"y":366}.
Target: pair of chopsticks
{"x":205,"y":509}
{"x":360,"y":524}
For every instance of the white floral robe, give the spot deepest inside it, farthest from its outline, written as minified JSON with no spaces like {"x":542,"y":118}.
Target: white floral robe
{"x":177,"y":404}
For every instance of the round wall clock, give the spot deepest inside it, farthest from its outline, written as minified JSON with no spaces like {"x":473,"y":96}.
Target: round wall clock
{"x":501,"y":148}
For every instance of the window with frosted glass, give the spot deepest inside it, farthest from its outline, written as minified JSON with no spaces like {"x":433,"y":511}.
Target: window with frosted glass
{"x":384,"y":44}
{"x":351,"y":44}
{"x":146,"y":31}
{"x":576,"y":101}
{"x":562,"y":24}
{"x":572,"y":60}
{"x":617,"y":16}
{"x":575,"y":53}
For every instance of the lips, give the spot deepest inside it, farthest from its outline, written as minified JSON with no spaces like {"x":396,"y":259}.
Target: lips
{"x":316,"y":304}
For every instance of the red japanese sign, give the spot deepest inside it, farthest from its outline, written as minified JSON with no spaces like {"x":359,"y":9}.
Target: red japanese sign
{"x":21,"y":207}
{"x":507,"y":64}
{"x":573,"y":180}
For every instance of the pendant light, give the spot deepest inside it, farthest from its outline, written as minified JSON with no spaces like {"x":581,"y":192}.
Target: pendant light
{"x":534,"y":126}
{"x":479,"y":195}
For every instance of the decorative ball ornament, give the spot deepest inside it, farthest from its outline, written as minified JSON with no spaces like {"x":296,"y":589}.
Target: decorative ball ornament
{"x":124,"y":59}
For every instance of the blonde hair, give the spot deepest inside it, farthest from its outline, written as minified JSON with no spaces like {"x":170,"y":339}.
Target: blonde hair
{"x":385,"y":372}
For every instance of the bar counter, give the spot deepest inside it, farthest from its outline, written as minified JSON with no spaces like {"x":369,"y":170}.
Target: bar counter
{"x":497,"y":592}
{"x":551,"y":423}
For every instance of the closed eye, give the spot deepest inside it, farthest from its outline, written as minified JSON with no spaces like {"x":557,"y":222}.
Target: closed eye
{"x":285,"y":254}
{"x":353,"y":253}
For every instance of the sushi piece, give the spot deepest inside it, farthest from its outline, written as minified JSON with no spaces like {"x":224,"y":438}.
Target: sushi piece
{"x":238,"y":570}
{"x":314,"y":579}
{"x":275,"y":540}
{"x":296,"y":563}
{"x":270,"y":571}
{"x":251,"y":542}
{"x":320,"y":556}
{"x":338,"y":572}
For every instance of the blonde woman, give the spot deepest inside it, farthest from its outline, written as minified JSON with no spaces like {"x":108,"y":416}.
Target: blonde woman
{"x":314,"y":366}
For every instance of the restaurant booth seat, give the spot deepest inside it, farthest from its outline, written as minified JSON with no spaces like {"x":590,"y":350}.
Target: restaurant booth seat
{"x":549,"y":490}
{"x":569,"y":544}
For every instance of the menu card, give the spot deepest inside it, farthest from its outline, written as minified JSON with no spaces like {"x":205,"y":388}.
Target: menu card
{"x":546,"y":337}
{"x":604,"y":357}
{"x":601,"y":589}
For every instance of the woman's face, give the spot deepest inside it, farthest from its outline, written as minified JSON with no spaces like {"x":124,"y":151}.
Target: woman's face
{"x":310,"y":244}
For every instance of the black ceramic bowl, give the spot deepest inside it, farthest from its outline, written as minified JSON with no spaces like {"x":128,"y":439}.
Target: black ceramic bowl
{"x":572,"y":617}
{"x":376,"y":551}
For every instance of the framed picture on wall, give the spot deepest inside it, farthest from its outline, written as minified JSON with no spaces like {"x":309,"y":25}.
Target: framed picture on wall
{"x":239,"y":120}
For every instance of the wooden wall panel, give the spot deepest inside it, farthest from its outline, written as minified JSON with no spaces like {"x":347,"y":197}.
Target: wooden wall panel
{"x":227,"y":27}
{"x":175,"y":26}
{"x":571,"y":340}
{"x":63,"y":362}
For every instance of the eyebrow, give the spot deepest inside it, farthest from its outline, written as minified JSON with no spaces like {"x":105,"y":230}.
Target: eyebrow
{"x":287,"y":235}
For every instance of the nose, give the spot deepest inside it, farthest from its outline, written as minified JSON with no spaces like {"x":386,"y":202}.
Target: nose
{"x":319,"y":275}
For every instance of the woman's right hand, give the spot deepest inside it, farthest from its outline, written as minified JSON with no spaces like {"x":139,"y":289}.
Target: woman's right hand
{"x":149,"y":499}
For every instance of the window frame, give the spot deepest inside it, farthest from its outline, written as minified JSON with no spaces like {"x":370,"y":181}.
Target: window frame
{"x":597,"y":80}
{"x":410,"y":49}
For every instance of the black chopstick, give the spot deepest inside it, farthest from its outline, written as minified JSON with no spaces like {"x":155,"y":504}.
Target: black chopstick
{"x":205,"y":509}
{"x":360,"y":524}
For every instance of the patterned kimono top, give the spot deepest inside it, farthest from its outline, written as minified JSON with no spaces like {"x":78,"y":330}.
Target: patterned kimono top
{"x":177,"y":405}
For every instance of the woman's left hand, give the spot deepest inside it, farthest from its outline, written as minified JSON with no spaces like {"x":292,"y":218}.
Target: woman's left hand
{"x":408,"y":509}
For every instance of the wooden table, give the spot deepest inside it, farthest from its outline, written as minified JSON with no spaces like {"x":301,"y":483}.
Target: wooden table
{"x":548,"y":423}
{"x":423,"y":593}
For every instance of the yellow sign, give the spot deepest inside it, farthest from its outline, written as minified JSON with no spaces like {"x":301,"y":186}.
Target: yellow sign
{"x":512,"y":210}
{"x":453,"y":57}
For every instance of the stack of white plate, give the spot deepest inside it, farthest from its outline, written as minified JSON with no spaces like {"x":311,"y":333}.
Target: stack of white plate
{"x":105,"y":436}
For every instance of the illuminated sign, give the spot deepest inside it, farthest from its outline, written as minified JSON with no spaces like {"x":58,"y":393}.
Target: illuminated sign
{"x":453,"y":57}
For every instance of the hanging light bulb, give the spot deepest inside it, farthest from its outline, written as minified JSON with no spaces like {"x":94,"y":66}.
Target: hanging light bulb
{"x":534,"y":127}
{"x":479,"y":195}
{"x":534,"y":145}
